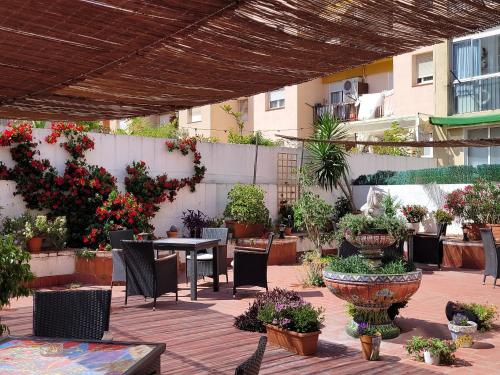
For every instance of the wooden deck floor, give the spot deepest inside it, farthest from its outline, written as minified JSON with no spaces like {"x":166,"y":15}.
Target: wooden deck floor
{"x":201,"y":339}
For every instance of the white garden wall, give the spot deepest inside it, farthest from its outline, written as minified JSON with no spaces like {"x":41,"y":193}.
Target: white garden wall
{"x":226,"y":164}
{"x":430,"y":196}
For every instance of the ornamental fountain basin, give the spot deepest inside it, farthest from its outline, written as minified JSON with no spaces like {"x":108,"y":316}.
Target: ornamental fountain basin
{"x":374,"y":294}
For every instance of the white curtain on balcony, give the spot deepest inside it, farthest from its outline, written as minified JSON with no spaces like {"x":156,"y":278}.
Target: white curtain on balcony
{"x":368,"y":104}
{"x":466,"y":64}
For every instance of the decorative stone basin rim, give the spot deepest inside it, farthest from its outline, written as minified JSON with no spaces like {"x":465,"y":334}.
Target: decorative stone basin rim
{"x":372,"y":278}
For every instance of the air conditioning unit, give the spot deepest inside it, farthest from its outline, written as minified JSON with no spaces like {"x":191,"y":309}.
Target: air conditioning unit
{"x":352,"y":88}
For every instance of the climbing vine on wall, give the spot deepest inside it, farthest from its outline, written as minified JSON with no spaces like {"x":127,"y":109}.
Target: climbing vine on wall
{"x":83,"y":190}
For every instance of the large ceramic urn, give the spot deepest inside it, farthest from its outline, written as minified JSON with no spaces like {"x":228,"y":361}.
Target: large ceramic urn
{"x":372,"y":295}
{"x":371,"y":245}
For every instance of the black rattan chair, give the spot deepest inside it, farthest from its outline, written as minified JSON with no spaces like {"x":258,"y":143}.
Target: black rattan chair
{"x":115,"y":238}
{"x":428,"y":248}
{"x":72,"y":314}
{"x":491,"y":255}
{"x":147,"y":276}
{"x":250,"y":265}
{"x":252,"y":365}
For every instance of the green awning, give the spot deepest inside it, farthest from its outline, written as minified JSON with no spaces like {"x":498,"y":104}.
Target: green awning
{"x":450,"y":121}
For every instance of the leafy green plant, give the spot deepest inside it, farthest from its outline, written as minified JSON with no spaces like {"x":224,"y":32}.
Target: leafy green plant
{"x":353,"y":225}
{"x":37,"y":228}
{"x":365,"y":329}
{"x":358,"y":264}
{"x":390,"y":205}
{"x":252,"y":139}
{"x":443,"y":216}
{"x":286,"y":214}
{"x":328,"y":162}
{"x":214,"y":222}
{"x":15,"y":226}
{"x":368,"y":316}
{"x":238,"y":116}
{"x":486,"y":314}
{"x":313,"y":265}
{"x":313,"y":214}
{"x":85,"y":253}
{"x":443,"y":348}
{"x":394,"y":134}
{"x":14,"y":272}
{"x":246,"y":205}
{"x":341,"y":207}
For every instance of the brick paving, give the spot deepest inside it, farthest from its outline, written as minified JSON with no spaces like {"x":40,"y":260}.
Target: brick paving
{"x":200,"y":337}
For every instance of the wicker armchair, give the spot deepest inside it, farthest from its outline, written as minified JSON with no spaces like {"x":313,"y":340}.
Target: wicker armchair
{"x":205,"y":257}
{"x":250,"y":265}
{"x":147,"y":276}
{"x":115,"y":238}
{"x":491,"y":255}
{"x":428,"y":248}
{"x":252,"y":365}
{"x":73,"y":314}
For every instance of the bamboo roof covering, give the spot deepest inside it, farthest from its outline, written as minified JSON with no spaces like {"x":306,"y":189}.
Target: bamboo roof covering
{"x":96,"y":59}
{"x":483,"y":142}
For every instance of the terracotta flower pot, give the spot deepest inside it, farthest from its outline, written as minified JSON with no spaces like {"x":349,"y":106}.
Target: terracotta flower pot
{"x":300,"y":343}
{"x":35,"y":245}
{"x":288,"y":231}
{"x":495,"y":228}
{"x":171,"y":234}
{"x":246,"y":230}
{"x":370,"y":347}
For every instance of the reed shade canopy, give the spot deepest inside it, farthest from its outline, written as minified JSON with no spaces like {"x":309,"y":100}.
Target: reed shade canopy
{"x":489,"y":142}
{"x":99,"y":59}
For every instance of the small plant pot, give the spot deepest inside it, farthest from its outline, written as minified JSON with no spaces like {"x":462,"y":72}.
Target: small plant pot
{"x":463,"y":335}
{"x":300,"y":343}
{"x":473,"y":232}
{"x":35,"y":245}
{"x":171,"y":234}
{"x":430,"y":358}
{"x":288,"y":231}
{"x":370,"y":347}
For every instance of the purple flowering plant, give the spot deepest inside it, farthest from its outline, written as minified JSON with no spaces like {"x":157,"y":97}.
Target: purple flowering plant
{"x":364,"y":329}
{"x":298,"y":315}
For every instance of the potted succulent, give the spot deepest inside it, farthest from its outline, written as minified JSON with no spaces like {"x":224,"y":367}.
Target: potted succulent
{"x":443,"y":219}
{"x":246,"y":211}
{"x":194,"y":222}
{"x":172,"y":232}
{"x":414,"y":214}
{"x":462,"y":330}
{"x":34,"y":232}
{"x":370,"y":339}
{"x":432,"y":351}
{"x":293,"y":325}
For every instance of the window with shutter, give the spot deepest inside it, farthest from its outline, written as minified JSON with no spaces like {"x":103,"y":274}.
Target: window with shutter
{"x":276,"y":99}
{"x":424,"y":68}
{"x":194,"y":114}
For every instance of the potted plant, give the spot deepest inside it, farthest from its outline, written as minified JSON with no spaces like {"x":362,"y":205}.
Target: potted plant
{"x":247,"y":213}
{"x":462,"y":330}
{"x":414,"y":214}
{"x":443,"y":219}
{"x":34,"y":232}
{"x":432,"y":351}
{"x":14,"y":272}
{"x":286,"y":217}
{"x":371,"y":234}
{"x":294,"y":326}
{"x":370,"y":340}
{"x":172,"y":232}
{"x":194,"y":222}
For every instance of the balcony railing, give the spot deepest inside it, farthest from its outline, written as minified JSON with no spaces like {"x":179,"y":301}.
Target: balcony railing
{"x":344,"y":111}
{"x":476,"y":95}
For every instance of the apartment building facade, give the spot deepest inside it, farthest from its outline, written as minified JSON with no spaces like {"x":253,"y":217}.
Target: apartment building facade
{"x":447,"y":91}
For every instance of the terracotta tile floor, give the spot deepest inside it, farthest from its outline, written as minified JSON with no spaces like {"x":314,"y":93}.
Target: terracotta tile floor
{"x":200,"y":337}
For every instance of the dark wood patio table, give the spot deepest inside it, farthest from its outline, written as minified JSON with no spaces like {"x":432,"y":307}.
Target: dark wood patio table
{"x":32,"y":355}
{"x":193,"y":245}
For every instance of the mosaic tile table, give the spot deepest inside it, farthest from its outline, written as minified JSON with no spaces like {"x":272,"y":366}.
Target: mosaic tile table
{"x":23,"y":356}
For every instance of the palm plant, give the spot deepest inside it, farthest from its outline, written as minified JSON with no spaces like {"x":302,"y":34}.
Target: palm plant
{"x":328,"y":162}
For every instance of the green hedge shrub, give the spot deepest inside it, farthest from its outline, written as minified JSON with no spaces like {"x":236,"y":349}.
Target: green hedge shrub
{"x":460,"y":174}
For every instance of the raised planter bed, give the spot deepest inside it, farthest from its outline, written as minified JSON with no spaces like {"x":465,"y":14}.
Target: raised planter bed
{"x":96,"y":271}
{"x":283,"y":251}
{"x":463,"y":254}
